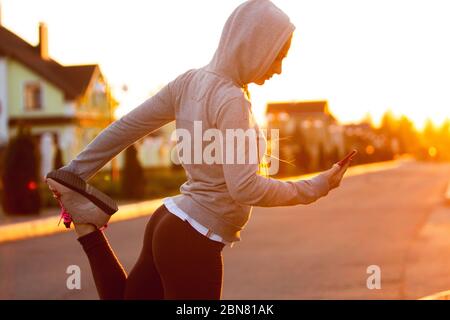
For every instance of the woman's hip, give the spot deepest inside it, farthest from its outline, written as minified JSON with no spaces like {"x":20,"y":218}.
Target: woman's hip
{"x":169,"y":230}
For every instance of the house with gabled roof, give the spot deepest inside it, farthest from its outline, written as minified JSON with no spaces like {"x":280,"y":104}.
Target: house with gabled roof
{"x":63,"y":105}
{"x":310,"y":136}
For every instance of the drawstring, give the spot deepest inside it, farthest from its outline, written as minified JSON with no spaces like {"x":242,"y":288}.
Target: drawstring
{"x":262,"y":162}
{"x":246,"y":91}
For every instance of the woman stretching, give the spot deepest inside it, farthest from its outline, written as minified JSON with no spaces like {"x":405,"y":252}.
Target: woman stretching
{"x":181,"y":256}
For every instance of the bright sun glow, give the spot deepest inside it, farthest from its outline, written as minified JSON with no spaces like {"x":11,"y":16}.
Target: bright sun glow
{"x":361,"y":56}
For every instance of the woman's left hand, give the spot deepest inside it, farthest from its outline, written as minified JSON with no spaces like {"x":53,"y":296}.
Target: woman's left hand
{"x":335,"y":174}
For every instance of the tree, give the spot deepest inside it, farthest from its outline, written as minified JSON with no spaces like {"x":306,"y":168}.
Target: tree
{"x":443,"y":136}
{"x":388,"y":124}
{"x":133,"y":180}
{"x":429,"y":145}
{"x":429,"y":132}
{"x":21,"y":175}
{"x":58,"y":159}
{"x":368,"y":119}
{"x":407,"y":135}
{"x":444,"y":133}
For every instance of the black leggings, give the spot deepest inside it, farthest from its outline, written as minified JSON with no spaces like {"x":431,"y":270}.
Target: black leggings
{"x":176,"y":262}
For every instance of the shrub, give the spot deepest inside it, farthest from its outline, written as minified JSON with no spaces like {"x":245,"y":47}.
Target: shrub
{"x":20,"y":177}
{"x":133,"y":179}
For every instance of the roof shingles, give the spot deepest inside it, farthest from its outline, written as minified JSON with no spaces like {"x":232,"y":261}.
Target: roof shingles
{"x":72,"y":80}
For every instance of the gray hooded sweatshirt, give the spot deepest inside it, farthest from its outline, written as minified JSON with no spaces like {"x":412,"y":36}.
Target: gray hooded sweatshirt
{"x":219,"y":196}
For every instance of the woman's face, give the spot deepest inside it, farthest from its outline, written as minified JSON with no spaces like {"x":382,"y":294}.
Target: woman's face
{"x":276,"y":65}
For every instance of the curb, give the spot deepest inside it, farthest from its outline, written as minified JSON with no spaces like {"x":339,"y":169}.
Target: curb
{"x":443,"y":295}
{"x":447,"y":194}
{"x":49,"y":226}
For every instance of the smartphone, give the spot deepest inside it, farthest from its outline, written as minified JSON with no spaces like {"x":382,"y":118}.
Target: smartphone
{"x":347,"y":157}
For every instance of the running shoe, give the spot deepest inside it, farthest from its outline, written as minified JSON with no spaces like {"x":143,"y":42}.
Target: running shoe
{"x":79,"y":201}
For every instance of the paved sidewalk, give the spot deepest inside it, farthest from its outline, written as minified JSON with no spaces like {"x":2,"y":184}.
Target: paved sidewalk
{"x":447,"y":194}
{"x":49,"y":225}
{"x":428,"y":262}
{"x":44,"y":213}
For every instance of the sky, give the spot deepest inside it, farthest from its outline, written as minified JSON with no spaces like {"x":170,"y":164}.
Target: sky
{"x":362,"y":56}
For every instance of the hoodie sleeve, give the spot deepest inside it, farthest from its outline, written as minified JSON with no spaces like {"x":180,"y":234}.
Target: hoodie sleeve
{"x":152,"y":114}
{"x":245,"y":185}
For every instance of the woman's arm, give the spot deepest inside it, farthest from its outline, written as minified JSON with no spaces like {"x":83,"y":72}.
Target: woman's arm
{"x":243,"y":182}
{"x":144,"y":119}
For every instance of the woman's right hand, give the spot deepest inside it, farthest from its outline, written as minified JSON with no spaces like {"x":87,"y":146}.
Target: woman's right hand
{"x":335,"y":174}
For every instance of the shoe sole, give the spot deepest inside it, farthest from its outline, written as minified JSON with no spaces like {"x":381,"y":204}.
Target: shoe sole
{"x":74,"y":182}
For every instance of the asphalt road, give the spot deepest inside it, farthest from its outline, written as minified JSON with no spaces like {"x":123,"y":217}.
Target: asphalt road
{"x":319,"y":251}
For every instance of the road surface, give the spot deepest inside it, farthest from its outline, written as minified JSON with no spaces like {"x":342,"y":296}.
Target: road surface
{"x":319,"y":251}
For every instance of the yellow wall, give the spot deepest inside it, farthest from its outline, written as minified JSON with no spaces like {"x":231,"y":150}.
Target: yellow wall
{"x":52,"y":97}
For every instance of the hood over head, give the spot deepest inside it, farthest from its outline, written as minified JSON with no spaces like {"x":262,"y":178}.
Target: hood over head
{"x":251,"y":39}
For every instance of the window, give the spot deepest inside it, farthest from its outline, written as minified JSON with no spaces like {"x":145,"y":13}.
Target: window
{"x":318,"y":123}
{"x":306,"y":124}
{"x":32,"y":96}
{"x":283,"y":116}
{"x":98,"y":94}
